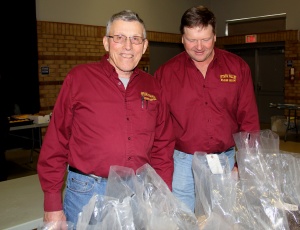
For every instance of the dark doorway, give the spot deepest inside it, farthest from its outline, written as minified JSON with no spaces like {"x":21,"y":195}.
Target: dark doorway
{"x":267,"y":64}
{"x":19,"y":65}
{"x":161,"y":52}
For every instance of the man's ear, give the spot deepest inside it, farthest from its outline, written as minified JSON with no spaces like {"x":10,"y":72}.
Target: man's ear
{"x":145,"y":45}
{"x":106,"y":43}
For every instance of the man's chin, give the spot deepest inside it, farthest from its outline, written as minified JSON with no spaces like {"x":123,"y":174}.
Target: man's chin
{"x":127,"y":70}
{"x":200,"y":58}
{"x":197,"y":59}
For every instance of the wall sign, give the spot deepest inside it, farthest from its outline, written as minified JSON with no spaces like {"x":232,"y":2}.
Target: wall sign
{"x":45,"y":70}
{"x":289,"y":63}
{"x":251,"y":38}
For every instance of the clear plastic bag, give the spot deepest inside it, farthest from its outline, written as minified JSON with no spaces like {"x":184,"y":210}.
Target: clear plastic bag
{"x":142,"y":201}
{"x":56,"y":225}
{"x":219,"y":200}
{"x":285,"y":169}
{"x":266,"y":195}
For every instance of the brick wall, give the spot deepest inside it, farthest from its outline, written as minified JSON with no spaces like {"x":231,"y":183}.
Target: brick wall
{"x":61,"y":46}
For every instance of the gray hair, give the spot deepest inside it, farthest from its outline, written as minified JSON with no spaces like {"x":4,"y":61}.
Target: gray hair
{"x":127,"y":16}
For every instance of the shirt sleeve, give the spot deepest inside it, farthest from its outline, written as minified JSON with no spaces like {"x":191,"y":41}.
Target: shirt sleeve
{"x":247,"y":112}
{"x":163,"y":146}
{"x":52,"y":162}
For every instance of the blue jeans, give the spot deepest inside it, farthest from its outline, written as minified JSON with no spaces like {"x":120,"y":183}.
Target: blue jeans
{"x":79,"y":191}
{"x":183,"y":185}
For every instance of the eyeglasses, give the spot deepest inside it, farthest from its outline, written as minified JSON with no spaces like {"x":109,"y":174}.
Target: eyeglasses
{"x":136,"y":40}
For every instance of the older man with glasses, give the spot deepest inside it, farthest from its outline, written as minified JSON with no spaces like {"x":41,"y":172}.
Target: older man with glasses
{"x":107,"y":113}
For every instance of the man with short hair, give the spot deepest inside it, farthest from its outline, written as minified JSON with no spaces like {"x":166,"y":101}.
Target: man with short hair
{"x":107,"y":113}
{"x":210,"y":95}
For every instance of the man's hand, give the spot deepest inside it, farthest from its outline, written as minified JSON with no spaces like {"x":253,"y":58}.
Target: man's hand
{"x":55,"y":220}
{"x":235,"y":173}
{"x":54,"y":216}
{"x":235,"y":169}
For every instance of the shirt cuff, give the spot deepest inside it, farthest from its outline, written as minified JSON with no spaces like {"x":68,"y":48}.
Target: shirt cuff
{"x":52,"y":202}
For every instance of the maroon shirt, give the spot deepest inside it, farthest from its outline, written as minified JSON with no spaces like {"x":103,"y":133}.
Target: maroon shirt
{"x":96,"y":123}
{"x":206,"y":112}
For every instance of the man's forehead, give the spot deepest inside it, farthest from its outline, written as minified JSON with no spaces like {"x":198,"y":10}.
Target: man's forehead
{"x":199,"y":28}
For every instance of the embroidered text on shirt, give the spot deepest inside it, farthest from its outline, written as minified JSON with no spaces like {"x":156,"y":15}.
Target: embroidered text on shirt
{"x":228,"y":78}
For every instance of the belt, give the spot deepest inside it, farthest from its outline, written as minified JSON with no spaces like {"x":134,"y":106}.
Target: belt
{"x":231,"y":148}
{"x":75,"y":170}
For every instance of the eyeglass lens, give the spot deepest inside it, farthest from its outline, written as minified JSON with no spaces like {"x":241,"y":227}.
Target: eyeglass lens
{"x":122,"y":39}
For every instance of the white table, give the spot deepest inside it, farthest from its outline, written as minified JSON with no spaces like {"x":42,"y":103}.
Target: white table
{"x":292,"y":108}
{"x":31,"y":126}
{"x":21,"y":203}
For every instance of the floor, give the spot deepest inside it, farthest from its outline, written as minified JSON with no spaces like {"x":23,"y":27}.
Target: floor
{"x":20,"y":165}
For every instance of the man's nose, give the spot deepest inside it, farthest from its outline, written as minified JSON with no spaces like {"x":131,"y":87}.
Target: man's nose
{"x":128,"y":44}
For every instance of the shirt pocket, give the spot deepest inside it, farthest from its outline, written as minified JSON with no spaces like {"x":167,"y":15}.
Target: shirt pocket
{"x":144,"y":115}
{"x":224,"y":95}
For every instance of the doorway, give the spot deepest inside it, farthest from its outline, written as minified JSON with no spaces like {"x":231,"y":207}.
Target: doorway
{"x":267,"y":64}
{"x":160,"y":52}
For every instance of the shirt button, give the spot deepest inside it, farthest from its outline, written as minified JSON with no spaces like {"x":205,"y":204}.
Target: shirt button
{"x":129,"y":138}
{"x":119,"y":83}
{"x":206,"y":103}
{"x":127,"y":118}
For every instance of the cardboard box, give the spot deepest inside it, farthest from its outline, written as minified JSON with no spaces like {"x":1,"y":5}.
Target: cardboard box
{"x":278,"y":124}
{"x":39,"y":119}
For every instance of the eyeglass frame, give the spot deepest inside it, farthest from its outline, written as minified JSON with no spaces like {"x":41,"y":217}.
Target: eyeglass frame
{"x":125,"y":37}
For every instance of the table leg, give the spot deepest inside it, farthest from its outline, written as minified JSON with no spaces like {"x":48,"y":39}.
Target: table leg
{"x":295,"y":122}
{"x":39,"y":139}
{"x":32,"y":146}
{"x":289,"y":123}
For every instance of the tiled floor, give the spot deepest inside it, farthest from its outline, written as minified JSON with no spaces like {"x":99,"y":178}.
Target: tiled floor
{"x":20,"y":165}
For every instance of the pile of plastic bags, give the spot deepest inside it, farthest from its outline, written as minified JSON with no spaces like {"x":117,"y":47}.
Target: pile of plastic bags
{"x":133,"y":201}
{"x":264,"y":194}
{"x":136,"y":201}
